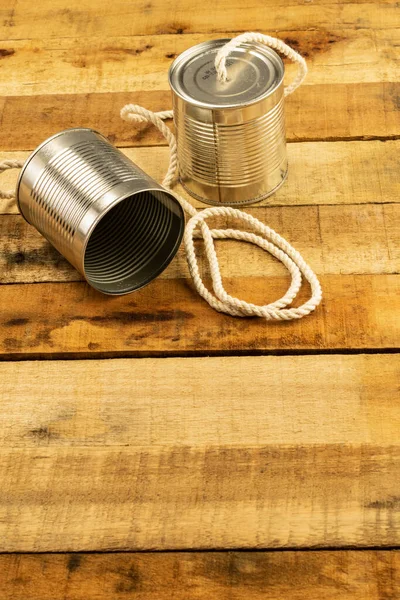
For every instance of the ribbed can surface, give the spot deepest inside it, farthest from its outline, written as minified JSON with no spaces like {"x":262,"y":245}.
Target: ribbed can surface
{"x":230,"y":136}
{"x":116,"y":225}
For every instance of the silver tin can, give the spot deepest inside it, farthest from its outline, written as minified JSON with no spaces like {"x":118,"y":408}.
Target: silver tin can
{"x":110,"y":220}
{"x":230,"y":136}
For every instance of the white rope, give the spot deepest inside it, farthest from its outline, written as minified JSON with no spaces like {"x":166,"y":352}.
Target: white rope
{"x":9,"y":164}
{"x":263,"y":236}
{"x":267,"y":40}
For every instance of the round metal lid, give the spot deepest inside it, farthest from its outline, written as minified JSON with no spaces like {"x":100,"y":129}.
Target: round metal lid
{"x":254,"y":72}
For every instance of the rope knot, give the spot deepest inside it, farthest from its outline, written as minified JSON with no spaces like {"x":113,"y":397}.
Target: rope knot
{"x":267,"y":40}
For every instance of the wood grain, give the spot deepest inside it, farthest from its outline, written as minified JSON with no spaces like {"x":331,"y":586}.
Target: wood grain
{"x":178,"y":402}
{"x":351,"y":575}
{"x":134,"y":498}
{"x":171,"y":458}
{"x":320,"y":173}
{"x":318,"y":112}
{"x":168,"y":317}
{"x":337,"y":240}
{"x":242,"y":452}
{"x":53,"y":19}
{"x":132,"y":63}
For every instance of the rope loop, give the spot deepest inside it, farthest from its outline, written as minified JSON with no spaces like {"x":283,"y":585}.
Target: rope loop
{"x":267,"y":40}
{"x":261,"y":235}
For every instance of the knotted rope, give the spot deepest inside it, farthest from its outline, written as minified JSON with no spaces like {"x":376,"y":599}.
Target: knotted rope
{"x":261,"y":235}
{"x":267,"y":40}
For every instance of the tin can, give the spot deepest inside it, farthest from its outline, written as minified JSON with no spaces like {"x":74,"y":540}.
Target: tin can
{"x":110,"y":220}
{"x":230,"y":135}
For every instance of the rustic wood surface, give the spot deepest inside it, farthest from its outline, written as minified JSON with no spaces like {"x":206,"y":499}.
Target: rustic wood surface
{"x":151,"y":422}
{"x":334,"y":575}
{"x":137,"y":462}
{"x":318,"y":112}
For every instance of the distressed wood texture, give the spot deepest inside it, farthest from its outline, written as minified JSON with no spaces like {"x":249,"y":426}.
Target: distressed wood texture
{"x":352,"y":72}
{"x":134,"y":63}
{"x":54,"y":19}
{"x":353,"y":239}
{"x":333,"y":399}
{"x":236,"y":460}
{"x":109,"y":498}
{"x":318,"y":112}
{"x":351,"y":575}
{"x":320,"y":173}
{"x":359,"y":312}
{"x":295,"y":445}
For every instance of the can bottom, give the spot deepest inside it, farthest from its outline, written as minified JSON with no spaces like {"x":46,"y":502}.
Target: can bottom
{"x":237,"y":203}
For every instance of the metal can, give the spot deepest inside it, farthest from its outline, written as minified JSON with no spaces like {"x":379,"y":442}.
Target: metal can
{"x":230,"y":135}
{"x":110,"y":220}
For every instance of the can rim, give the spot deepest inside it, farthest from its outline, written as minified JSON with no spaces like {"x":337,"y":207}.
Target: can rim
{"x":36,"y":150}
{"x":163,"y":266}
{"x":266,"y":50}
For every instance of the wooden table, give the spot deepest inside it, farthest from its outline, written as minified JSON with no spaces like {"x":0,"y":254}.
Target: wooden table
{"x":151,"y":422}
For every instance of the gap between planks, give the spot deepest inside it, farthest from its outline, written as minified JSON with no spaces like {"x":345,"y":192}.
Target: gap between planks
{"x":138,"y":355}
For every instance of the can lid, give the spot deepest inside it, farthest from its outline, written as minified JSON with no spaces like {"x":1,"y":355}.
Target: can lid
{"x":254,"y":72}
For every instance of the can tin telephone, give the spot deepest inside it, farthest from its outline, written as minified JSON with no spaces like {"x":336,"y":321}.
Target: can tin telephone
{"x":110,"y":220}
{"x":120,"y":228}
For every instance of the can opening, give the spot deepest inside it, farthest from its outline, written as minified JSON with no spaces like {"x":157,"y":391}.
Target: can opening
{"x":133,"y":242}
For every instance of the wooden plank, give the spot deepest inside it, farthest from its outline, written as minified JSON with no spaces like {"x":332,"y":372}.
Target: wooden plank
{"x":51,"y":18}
{"x":165,"y":454}
{"x":177,"y":402}
{"x":135,"y":498}
{"x":317,"y":112}
{"x":167,"y":317}
{"x":132,"y":64}
{"x":338,"y":239}
{"x":318,"y":575}
{"x":322,"y":173}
